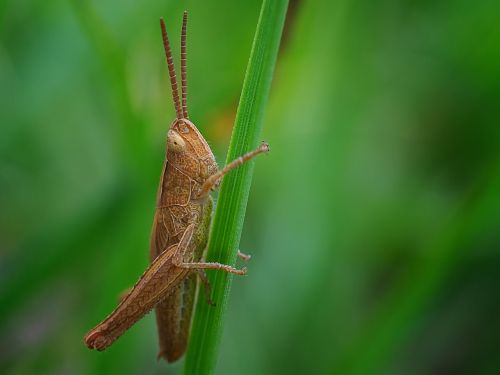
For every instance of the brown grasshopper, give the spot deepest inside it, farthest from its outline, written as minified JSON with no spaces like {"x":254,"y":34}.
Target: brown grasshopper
{"x":180,"y":231}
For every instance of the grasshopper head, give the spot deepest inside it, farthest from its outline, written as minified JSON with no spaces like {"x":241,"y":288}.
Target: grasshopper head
{"x":189,"y":151}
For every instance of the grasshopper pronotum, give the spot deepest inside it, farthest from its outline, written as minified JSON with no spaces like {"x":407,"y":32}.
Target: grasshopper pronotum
{"x":180,"y":231}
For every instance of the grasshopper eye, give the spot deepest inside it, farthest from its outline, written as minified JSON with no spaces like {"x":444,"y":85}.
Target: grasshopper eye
{"x":175,"y":142}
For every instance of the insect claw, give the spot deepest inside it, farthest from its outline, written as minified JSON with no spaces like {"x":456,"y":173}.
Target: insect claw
{"x":243,"y":256}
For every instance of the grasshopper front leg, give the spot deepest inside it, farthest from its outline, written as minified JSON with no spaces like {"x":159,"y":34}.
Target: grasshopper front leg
{"x":212,"y":181}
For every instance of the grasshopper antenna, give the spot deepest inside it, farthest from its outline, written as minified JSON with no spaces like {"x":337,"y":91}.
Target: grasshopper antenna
{"x":183,"y":66}
{"x":171,"y":69}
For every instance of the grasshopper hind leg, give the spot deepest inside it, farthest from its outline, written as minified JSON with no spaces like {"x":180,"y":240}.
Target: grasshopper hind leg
{"x":206,"y":283}
{"x":182,"y":247}
{"x":214,"y":266}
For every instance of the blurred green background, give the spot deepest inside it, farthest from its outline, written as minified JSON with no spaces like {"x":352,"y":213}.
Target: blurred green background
{"x":374,"y":223}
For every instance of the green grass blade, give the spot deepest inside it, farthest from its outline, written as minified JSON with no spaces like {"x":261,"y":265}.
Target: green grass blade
{"x":228,"y":221}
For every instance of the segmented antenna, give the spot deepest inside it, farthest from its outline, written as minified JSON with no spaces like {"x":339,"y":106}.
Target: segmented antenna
{"x":183,"y":66}
{"x":171,"y":69}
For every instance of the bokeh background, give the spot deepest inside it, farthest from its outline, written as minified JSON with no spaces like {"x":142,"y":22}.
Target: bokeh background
{"x":373,"y":223}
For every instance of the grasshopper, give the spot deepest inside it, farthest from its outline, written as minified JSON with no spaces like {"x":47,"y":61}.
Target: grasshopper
{"x":180,"y":231}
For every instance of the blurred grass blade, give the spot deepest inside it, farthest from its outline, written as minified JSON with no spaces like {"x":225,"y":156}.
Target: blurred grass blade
{"x":404,"y":307}
{"x":228,"y":221}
